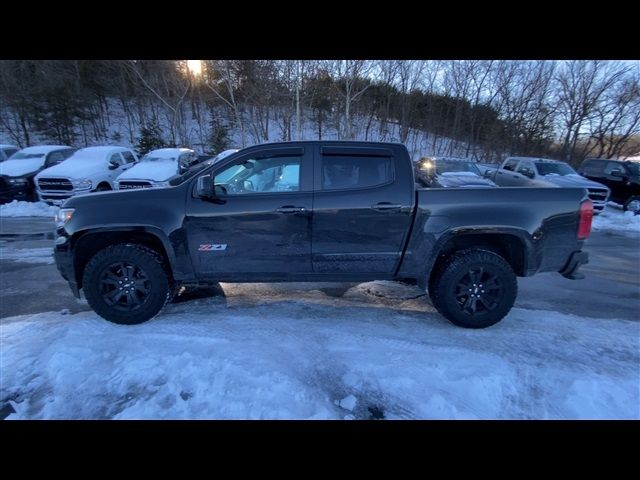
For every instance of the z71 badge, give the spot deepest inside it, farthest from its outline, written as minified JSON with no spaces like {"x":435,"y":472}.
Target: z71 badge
{"x":211,"y":247}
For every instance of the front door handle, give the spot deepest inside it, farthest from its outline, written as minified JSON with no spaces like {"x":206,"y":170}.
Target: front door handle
{"x":386,"y":206}
{"x":290,"y":209}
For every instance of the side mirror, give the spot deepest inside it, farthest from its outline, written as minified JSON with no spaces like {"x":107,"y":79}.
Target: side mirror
{"x":527,"y":173}
{"x":113,"y":165}
{"x":204,"y":187}
{"x":488,"y":174}
{"x":616,"y":172}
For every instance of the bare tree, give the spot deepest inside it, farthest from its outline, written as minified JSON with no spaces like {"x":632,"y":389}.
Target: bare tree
{"x":351,"y":75}
{"x":616,"y":119}
{"x":581,"y":86}
{"x":222,"y":78}
{"x":169,"y":82}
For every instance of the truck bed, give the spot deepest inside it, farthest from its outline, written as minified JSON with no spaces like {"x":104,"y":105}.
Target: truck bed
{"x":544,"y":220}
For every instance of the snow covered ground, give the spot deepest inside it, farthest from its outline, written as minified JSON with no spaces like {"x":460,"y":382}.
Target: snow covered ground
{"x":613,"y":218}
{"x":27,"y":209}
{"x":282,"y":352}
{"x":27,"y":255}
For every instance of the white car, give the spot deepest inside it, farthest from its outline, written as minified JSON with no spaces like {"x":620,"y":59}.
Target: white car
{"x":6,"y":151}
{"x":91,"y":169}
{"x":156,"y":168}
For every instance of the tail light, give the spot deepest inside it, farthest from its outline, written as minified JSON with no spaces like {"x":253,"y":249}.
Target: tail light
{"x":586,"y":215}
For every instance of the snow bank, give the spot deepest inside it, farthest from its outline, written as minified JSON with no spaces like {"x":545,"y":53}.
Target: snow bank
{"x":613,"y":218}
{"x":27,"y":209}
{"x":28,"y":255}
{"x":297,"y":356}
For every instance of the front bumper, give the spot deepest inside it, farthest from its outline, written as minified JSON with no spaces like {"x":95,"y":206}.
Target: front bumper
{"x":576,"y":259}
{"x":64,"y":261}
{"x":16,"y":192}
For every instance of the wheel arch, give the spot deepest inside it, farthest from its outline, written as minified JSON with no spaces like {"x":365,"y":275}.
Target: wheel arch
{"x":87,"y":243}
{"x":514,"y":245}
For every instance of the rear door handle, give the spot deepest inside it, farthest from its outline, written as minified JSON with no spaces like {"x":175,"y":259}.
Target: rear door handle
{"x":386,"y":206}
{"x":290,"y":209}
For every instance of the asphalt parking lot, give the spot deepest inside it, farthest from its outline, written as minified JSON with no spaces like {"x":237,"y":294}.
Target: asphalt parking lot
{"x":30,"y":283}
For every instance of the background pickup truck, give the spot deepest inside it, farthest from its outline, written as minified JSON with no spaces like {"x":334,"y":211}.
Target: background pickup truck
{"x":318,"y":211}
{"x":542,"y":172}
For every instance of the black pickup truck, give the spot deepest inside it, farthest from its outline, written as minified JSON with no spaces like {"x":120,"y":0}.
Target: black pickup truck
{"x":318,"y":211}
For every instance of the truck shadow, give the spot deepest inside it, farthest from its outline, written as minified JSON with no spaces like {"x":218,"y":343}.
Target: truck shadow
{"x":187,"y":294}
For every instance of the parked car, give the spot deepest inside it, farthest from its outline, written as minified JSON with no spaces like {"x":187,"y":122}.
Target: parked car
{"x":446,"y":172}
{"x":544,"y":172}
{"x":621,"y":176}
{"x":17,"y":174}
{"x":91,"y":169}
{"x":156,"y":168}
{"x":6,"y":151}
{"x":318,"y":211}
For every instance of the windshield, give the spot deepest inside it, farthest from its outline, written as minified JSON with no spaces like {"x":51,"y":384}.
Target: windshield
{"x":25,"y":156}
{"x":443,"y":166}
{"x":548,"y":168}
{"x":227,"y":175}
{"x":149,"y":158}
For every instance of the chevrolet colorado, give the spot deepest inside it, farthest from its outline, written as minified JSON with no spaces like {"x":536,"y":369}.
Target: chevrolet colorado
{"x":318,"y":211}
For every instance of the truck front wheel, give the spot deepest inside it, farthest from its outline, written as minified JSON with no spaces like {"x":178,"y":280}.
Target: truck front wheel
{"x":126,"y":284}
{"x":473,"y":288}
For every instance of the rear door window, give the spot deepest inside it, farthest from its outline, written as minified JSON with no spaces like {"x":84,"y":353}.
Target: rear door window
{"x":511,"y":165}
{"x":128,"y":157}
{"x":350,"y":172}
{"x":611,"y":166}
{"x":593,"y":167}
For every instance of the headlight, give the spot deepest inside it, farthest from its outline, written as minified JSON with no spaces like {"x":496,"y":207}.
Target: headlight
{"x":17,"y":181}
{"x":81,"y":184}
{"x":63,"y":216}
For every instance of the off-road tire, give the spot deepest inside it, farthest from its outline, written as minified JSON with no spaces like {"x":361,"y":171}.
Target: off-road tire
{"x":156,"y":282}
{"x":486,"y":301}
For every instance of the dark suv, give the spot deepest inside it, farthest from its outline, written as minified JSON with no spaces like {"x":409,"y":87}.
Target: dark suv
{"x":622,"y":177}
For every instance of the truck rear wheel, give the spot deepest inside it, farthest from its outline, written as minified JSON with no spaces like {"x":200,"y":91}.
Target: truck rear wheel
{"x":474,"y":288}
{"x":126,"y":284}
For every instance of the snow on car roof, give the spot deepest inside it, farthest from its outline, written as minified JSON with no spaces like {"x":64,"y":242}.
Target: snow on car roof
{"x":43,"y":148}
{"x":168,"y":152}
{"x":95,"y":151}
{"x":538,"y":159}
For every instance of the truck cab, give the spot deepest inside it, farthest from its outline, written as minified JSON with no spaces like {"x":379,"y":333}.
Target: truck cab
{"x":622,"y":177}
